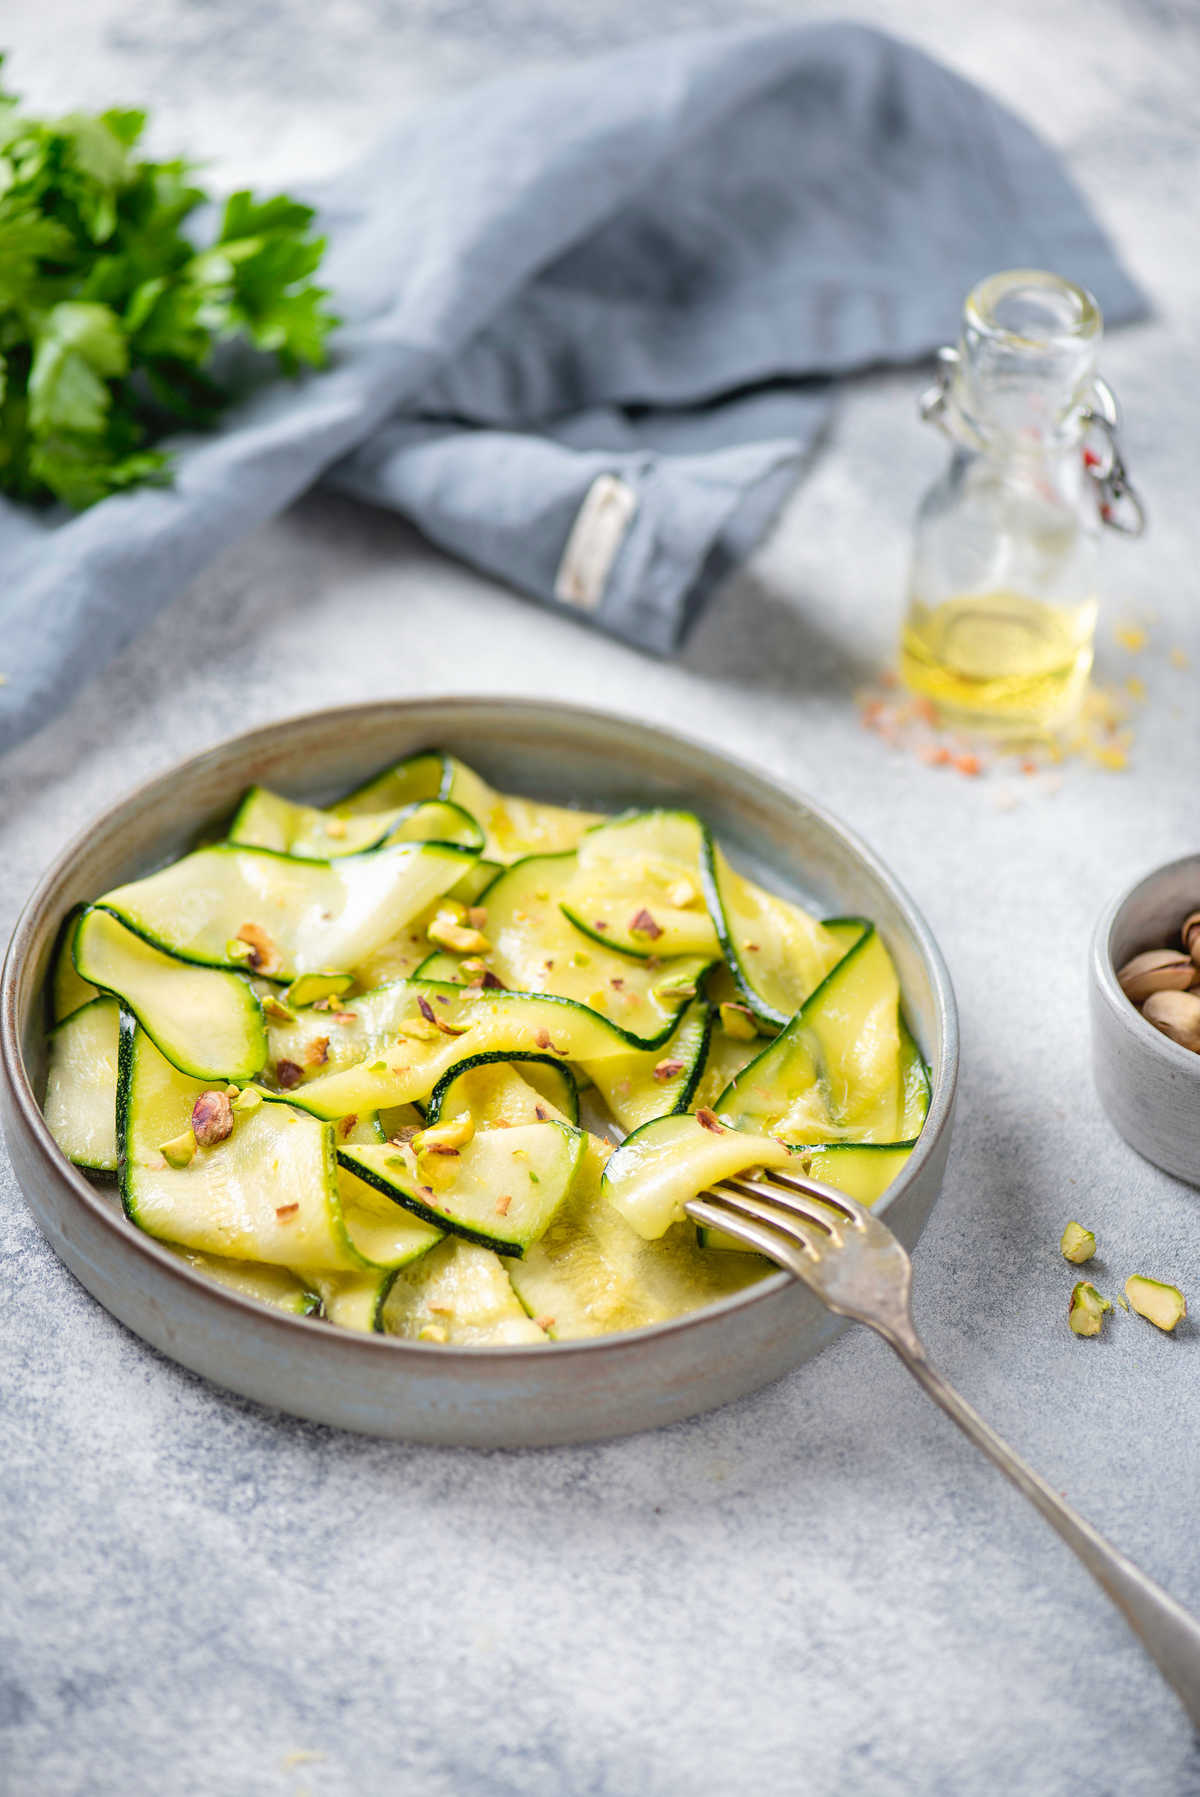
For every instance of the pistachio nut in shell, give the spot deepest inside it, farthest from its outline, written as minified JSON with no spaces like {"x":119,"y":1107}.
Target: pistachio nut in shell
{"x":1157,"y":970}
{"x":1190,"y":932}
{"x":1177,"y":1015}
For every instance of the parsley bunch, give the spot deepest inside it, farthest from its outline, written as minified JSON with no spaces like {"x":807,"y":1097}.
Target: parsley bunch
{"x":109,"y":314}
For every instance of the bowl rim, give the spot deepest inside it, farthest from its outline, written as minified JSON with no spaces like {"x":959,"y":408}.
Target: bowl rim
{"x":1104,"y":972}
{"x":408,"y":711}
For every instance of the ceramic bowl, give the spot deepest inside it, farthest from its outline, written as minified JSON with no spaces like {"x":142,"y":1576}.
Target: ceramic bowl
{"x":1149,"y":1086}
{"x":572,"y":1391}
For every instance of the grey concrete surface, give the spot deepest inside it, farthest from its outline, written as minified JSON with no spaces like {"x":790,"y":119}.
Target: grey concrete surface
{"x":819,"y":1590}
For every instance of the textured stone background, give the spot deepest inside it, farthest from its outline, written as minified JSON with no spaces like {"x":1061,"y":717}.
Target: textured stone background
{"x":821,"y":1589}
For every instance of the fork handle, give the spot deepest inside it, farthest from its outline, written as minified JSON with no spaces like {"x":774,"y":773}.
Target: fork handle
{"x":1170,"y":1636}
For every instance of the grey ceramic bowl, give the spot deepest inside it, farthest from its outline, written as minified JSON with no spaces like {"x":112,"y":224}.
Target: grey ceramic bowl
{"x":1149,"y":1086}
{"x":575,"y":1391}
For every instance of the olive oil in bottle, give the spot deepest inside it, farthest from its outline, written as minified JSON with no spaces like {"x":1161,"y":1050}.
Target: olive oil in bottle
{"x":1001,"y":660}
{"x":1006,"y":557}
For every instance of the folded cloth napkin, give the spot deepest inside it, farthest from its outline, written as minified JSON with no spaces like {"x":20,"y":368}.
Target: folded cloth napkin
{"x":591,"y":316}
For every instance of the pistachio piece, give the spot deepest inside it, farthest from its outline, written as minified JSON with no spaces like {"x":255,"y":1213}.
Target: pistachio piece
{"x":276,"y":1010}
{"x":248,"y":1099}
{"x":439,"y":1137}
{"x":449,"y":931}
{"x":1177,"y":1015}
{"x":1078,"y":1244}
{"x":180,"y":1151}
{"x":212,"y":1118}
{"x":682,"y":894}
{"x":307,"y":988}
{"x":677,"y":986}
{"x":1162,"y":1305}
{"x":1157,"y":970}
{"x":1190,"y":933}
{"x":643,"y":923}
{"x":737,"y":1021}
{"x":288,"y":1074}
{"x":1085,"y":1312}
{"x":263,"y":956}
{"x":239,"y":951}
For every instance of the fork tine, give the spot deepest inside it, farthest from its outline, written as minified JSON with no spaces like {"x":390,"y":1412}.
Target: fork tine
{"x":795,"y":1204}
{"x":761,"y":1207}
{"x":779,"y":1241}
{"x":816,"y":1188}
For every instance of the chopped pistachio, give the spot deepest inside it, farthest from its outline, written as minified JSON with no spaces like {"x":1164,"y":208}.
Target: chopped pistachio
{"x":1086,"y":1310}
{"x":248,"y":1099}
{"x":675,"y":986}
{"x":738,"y":1021}
{"x":212,"y":1118}
{"x":581,"y":958}
{"x":431,"y":1332}
{"x":264,"y":956}
{"x":682,"y":894}
{"x":307,"y":988}
{"x":456,"y":1133}
{"x":335,"y":827}
{"x":418,"y":1029}
{"x":1078,"y":1244}
{"x":276,"y":1010}
{"x":180,"y":1151}
{"x":1162,"y":1305}
{"x":450,"y":931}
{"x":237,"y":950}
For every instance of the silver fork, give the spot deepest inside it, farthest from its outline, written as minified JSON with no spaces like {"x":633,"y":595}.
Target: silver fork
{"x":854,"y":1263}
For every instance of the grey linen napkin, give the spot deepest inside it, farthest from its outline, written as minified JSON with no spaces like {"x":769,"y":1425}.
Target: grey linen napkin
{"x":591,"y":320}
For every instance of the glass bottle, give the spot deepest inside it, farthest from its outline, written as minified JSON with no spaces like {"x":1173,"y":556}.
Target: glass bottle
{"x":1005,"y":574}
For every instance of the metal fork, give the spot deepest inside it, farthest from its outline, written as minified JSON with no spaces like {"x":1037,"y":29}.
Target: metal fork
{"x":856,"y":1266}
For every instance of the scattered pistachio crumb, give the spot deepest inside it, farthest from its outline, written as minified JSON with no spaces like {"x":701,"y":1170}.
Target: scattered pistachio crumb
{"x":1085,"y":1313}
{"x":1160,"y":1304}
{"x":1078,"y":1244}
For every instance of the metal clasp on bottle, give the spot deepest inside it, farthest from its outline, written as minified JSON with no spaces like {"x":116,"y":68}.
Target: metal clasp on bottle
{"x":1117,"y":501}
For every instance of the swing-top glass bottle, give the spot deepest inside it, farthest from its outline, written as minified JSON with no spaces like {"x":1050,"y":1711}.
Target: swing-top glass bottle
{"x":1007,"y":561}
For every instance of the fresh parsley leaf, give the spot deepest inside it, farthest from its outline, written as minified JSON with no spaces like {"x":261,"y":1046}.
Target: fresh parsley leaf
{"x":110,"y":314}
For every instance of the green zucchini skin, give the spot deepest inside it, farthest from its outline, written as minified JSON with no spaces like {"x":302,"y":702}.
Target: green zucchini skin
{"x":67,"y":991}
{"x":253,"y":1043}
{"x":568,"y":1104}
{"x":427,"y":774}
{"x":120,"y":907}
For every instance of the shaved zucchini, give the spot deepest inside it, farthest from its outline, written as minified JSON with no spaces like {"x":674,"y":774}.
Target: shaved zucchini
{"x":535,"y":948}
{"x":401,"y":955}
{"x":515,"y":1088}
{"x":653,"y":1082}
{"x":266,"y":820}
{"x":81,"y":1085}
{"x":636,"y":887}
{"x":267,"y":1193}
{"x":68,"y":989}
{"x":460,"y":1296}
{"x":842,"y":1070}
{"x":661,"y":1166}
{"x":206,"y":1021}
{"x":354,"y":1300}
{"x":513,"y":826}
{"x":500,"y":1190}
{"x":776,"y":951}
{"x":409,"y":1104}
{"x":295,"y":916}
{"x":382,"y":1234}
{"x":592,"y":1273}
{"x":276,"y":1287}
{"x":863,"y":1170}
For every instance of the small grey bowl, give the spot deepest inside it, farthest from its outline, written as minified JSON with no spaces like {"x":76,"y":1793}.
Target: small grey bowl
{"x":505,"y":1396}
{"x":1149,"y":1085}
